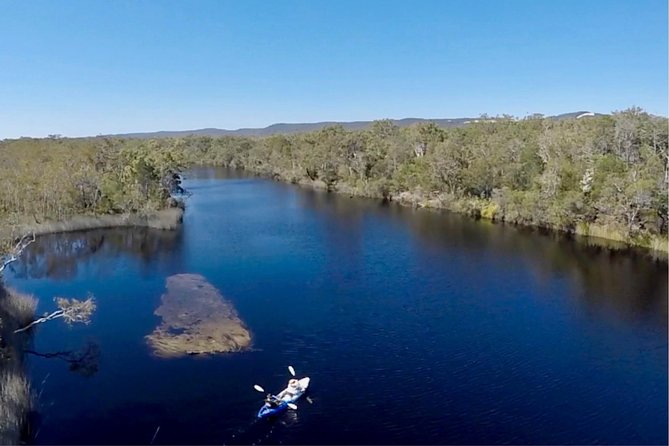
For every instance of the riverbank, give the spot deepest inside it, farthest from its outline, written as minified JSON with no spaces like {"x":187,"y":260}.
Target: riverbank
{"x":320,"y":277}
{"x":164,"y":219}
{"x":16,"y":310}
{"x":598,"y":235}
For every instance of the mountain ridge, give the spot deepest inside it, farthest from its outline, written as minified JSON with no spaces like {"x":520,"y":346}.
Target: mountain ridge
{"x":304,"y":127}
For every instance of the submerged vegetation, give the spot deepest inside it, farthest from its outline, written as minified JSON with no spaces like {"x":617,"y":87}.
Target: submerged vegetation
{"x":196,"y":319}
{"x":603,"y":176}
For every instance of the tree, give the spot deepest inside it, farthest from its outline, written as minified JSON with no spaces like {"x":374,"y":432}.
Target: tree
{"x":627,"y":137}
{"x":426,"y":136}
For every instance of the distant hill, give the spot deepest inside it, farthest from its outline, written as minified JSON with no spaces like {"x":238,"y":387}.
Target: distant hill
{"x":287,"y":129}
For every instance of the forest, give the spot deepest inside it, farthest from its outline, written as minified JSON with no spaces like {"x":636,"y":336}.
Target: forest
{"x":53,"y":179}
{"x":603,"y":176}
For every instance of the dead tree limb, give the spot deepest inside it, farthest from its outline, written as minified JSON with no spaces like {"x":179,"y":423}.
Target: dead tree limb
{"x":56,"y":314}
{"x":72,"y":310}
{"x":16,"y":252}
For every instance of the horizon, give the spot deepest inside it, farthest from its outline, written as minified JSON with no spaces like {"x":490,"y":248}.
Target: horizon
{"x":169,"y":66}
{"x":148,"y":132}
{"x":184,"y":130}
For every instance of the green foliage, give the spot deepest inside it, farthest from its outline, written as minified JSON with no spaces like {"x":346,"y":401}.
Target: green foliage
{"x":413,"y":175}
{"x":596,"y":172}
{"x":52,"y":179}
{"x":602,"y":171}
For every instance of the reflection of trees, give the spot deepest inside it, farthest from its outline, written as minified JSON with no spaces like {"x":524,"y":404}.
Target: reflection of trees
{"x":625,"y":280}
{"x":84,"y":361}
{"x":343,"y":228}
{"x":59,"y":255}
{"x":628,"y":281}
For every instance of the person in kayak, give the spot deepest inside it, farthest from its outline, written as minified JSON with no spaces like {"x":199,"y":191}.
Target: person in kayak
{"x":272,"y":401}
{"x":291,"y":391}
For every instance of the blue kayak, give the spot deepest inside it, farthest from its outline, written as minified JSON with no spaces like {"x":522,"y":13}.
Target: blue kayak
{"x":288,"y":395}
{"x":268,"y":411}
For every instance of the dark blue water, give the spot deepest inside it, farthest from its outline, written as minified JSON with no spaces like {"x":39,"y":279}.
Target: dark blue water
{"x":415,"y":327}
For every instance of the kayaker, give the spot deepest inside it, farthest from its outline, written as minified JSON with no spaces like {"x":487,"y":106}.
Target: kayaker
{"x":293,"y":387}
{"x":271,"y":400}
{"x":291,"y":391}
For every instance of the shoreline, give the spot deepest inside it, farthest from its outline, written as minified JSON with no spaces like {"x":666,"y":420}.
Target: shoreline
{"x":164,"y":219}
{"x":16,"y":309}
{"x":596,"y":235}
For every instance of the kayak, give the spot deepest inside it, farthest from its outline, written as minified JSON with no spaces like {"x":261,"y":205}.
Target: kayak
{"x":267,"y":411}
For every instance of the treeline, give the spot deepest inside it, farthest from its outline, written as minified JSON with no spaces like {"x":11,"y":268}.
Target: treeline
{"x":604,"y":175}
{"x":54,"y":178}
{"x":601,"y":175}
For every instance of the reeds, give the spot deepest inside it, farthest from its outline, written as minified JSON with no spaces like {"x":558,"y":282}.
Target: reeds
{"x":15,"y":403}
{"x":18,"y":308}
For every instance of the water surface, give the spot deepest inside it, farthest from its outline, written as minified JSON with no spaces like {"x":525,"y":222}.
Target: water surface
{"x":415,"y":327}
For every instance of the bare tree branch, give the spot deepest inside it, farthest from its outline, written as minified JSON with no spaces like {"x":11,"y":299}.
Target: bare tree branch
{"x":72,"y":310}
{"x":15,"y":253}
{"x":56,"y":314}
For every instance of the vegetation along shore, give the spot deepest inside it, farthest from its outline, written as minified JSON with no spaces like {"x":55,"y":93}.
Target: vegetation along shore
{"x":604,"y":175}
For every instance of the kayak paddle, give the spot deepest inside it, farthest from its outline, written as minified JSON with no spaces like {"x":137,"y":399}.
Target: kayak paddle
{"x":260,"y":389}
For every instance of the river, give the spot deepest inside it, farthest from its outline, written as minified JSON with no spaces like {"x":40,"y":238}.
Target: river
{"x":415,"y":326}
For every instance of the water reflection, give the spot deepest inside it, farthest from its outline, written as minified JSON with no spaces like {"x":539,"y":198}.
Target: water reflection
{"x":342,"y":226}
{"x":85,"y":361}
{"x":628,"y":281}
{"x":365,"y":296}
{"x":59,"y":256}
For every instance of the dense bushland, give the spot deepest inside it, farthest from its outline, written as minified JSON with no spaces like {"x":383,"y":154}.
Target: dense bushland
{"x":53,"y":179}
{"x":602,"y":175}
{"x":598,"y":175}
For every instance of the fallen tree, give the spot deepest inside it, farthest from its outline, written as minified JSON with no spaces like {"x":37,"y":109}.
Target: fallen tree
{"x":71,"y":310}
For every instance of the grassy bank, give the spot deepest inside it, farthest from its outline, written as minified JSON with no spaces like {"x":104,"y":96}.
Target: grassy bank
{"x":16,"y":310}
{"x":55,"y":185}
{"x":165,"y":219}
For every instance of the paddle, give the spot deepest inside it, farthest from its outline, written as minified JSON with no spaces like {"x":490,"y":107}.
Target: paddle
{"x":292,"y":372}
{"x":260,"y":389}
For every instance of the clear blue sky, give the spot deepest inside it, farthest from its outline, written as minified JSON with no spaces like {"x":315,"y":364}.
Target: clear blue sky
{"x":90,"y":67}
